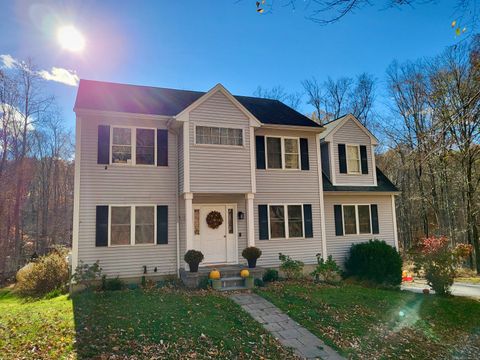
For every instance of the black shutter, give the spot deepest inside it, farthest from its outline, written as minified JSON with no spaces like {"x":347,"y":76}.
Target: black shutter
{"x":363,"y":158}
{"x":374,"y":214}
{"x":263,"y":221}
{"x":304,"y":154}
{"x":162,"y":224}
{"x":338,"y":220}
{"x":307,"y":218}
{"x":260,"y":148}
{"x":103,"y":151}
{"x":162,"y":147}
{"x":342,"y":158}
{"x":101,"y":229}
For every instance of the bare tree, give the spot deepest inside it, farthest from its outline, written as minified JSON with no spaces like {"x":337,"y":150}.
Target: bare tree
{"x":293,"y":100}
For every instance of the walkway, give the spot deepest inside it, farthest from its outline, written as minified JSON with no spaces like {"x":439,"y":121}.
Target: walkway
{"x":457,"y":289}
{"x":282,"y":327}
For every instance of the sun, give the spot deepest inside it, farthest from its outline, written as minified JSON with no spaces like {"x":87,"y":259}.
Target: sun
{"x":71,"y":39}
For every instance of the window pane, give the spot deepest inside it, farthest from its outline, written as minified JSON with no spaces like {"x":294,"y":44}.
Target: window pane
{"x":120,"y":229}
{"x":291,"y":154}
{"x":291,"y":161}
{"x":364,"y":219}
{"x":353,"y":159}
{"x":121,"y":146}
{"x":277,"y":221}
{"x":144,"y":224}
{"x":291,"y":146}
{"x":218,"y":136}
{"x":230,"y":221}
{"x":349,"y":220}
{"x":122,"y":136}
{"x":196,"y":221}
{"x":145,"y":146}
{"x":295,"y":221}
{"x":274,"y":153}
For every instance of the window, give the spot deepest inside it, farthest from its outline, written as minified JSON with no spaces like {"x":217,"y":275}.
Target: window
{"x":283,"y":153}
{"x":145,"y":147}
{"x":230,"y":221}
{"x":196,"y":221}
{"x":123,"y":151}
{"x":132,"y":225}
{"x":357,"y":219}
{"x":144,"y":225}
{"x":218,"y":136}
{"x":122,"y":146}
{"x":120,"y":225}
{"x":353,"y":159}
{"x":286,"y":221}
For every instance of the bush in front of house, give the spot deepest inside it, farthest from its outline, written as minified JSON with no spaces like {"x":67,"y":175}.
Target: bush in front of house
{"x":440,"y":260}
{"x":114,"y":284}
{"x":270,"y":275}
{"x":193,"y":258}
{"x":326,"y":270}
{"x":87,"y":275}
{"x":251,"y":253}
{"x":293,"y":269}
{"x":45,"y":275}
{"x":374,"y":261}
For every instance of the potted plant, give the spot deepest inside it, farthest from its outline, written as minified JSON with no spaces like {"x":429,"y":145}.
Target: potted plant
{"x":193,"y":258}
{"x":251,"y":253}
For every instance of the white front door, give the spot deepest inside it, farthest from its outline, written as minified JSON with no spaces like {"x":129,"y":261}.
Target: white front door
{"x":218,"y":245}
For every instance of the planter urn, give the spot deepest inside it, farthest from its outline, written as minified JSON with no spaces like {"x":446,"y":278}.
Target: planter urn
{"x":252,"y":263}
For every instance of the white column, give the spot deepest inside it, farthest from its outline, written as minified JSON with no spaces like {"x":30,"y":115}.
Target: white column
{"x":188,"y":221}
{"x":394,"y":219}
{"x":250,"y":220}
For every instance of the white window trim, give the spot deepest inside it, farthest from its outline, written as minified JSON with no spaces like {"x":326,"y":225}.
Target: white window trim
{"x":285,"y":212}
{"x":357,"y":219}
{"x":133,"y":135}
{"x":359,"y":172}
{"x":132,"y":225}
{"x":219,"y":145}
{"x":282,"y":150}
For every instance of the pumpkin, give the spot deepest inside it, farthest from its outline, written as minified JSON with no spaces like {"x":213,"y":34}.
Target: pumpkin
{"x":214,"y":274}
{"x":244,"y":273}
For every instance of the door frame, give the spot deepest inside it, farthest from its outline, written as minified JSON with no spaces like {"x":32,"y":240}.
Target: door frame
{"x":196,"y":238}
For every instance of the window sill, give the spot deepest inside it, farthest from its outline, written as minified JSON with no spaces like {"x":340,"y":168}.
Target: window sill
{"x":135,"y":245}
{"x":221,"y":146}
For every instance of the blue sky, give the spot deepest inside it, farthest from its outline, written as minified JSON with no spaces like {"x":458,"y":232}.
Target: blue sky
{"x":194,"y":44}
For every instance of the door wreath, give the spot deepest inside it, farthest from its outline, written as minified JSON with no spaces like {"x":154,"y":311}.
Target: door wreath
{"x":214,"y":219}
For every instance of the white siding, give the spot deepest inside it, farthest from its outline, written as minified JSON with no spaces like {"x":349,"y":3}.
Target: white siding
{"x":129,"y":185}
{"x":180,"y":160}
{"x":351,"y":133}
{"x":223,"y":169}
{"x":338,"y":246}
{"x":286,"y":186}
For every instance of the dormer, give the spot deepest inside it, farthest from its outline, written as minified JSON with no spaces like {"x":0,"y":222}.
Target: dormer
{"x":348,"y":153}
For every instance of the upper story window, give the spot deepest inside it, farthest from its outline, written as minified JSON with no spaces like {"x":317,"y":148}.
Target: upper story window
{"x":218,"y":136}
{"x":356,"y":219}
{"x":353,"y":159}
{"x":123,"y":151}
{"x":283,"y":153}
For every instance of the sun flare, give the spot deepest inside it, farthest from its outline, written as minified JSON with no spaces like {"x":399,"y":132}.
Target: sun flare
{"x":71,"y":39}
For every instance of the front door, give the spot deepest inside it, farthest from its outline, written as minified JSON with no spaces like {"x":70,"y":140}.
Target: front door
{"x":215,"y":239}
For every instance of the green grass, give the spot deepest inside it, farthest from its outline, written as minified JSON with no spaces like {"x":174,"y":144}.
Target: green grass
{"x":374,"y":323}
{"x":164,"y":324}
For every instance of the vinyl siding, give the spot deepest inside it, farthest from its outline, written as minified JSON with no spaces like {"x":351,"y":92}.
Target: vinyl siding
{"x":224,"y":169}
{"x":351,"y":133}
{"x":338,"y":246}
{"x":180,"y":160}
{"x":289,"y":186}
{"x":129,"y":185}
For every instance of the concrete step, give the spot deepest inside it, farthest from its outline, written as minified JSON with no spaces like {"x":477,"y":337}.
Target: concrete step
{"x":232,"y":281}
{"x":233,"y":288}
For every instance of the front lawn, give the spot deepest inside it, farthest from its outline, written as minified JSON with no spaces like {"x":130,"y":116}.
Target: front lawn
{"x":372,"y":323}
{"x":137,"y":324}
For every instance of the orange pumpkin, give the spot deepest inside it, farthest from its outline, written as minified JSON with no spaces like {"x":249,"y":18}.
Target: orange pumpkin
{"x":244,"y":273}
{"x":214,"y":274}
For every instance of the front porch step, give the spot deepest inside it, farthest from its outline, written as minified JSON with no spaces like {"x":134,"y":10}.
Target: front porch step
{"x":234,"y":281}
{"x":233,"y":288}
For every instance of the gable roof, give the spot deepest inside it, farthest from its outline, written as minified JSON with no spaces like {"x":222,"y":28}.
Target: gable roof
{"x":383,"y":185}
{"x":106,"y":96}
{"x":332,"y":126}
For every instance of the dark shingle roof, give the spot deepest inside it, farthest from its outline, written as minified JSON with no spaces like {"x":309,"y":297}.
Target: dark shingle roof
{"x":383,"y":185}
{"x":99,"y":95}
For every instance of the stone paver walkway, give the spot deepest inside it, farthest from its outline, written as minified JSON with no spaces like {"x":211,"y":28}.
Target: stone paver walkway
{"x":282,"y":327}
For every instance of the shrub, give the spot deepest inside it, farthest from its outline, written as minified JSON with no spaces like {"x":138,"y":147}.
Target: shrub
{"x":293,"y":269}
{"x":112,"y":284}
{"x":439,"y":261}
{"x":327,"y":271}
{"x":270,"y":275}
{"x":259,"y":282}
{"x":193,"y":258}
{"x":375,"y":261}
{"x":87,"y":274}
{"x":46,"y":274}
{"x":251,"y":253}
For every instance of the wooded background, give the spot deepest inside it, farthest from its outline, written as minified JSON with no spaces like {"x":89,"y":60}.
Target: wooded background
{"x":429,"y":128}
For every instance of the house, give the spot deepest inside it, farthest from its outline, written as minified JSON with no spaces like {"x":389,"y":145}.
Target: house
{"x":152,"y":164}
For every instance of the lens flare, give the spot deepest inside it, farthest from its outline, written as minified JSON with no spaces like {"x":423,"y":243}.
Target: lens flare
{"x":71,"y":39}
